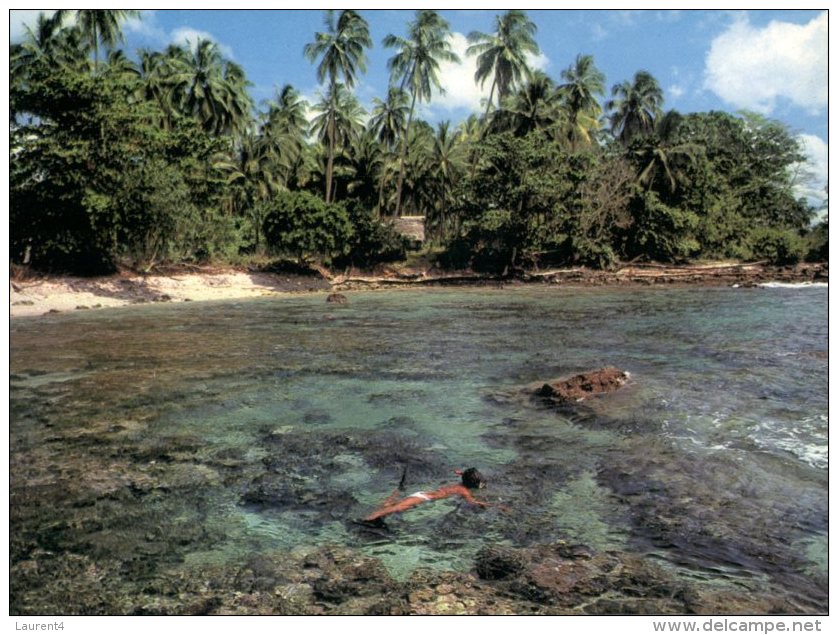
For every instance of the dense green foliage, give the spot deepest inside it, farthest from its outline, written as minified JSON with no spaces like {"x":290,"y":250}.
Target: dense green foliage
{"x":371,"y":241}
{"x":116,"y":162}
{"x":301,"y":224}
{"x":95,"y":179}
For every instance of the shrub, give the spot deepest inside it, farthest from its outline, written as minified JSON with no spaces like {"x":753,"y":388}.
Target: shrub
{"x":593,"y":253}
{"x":818,"y":243}
{"x":302,"y":225}
{"x":778,"y":246}
{"x":660,"y":231}
{"x":372,"y":241}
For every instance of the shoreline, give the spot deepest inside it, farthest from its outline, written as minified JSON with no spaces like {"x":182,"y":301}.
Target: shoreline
{"x":58,"y":294}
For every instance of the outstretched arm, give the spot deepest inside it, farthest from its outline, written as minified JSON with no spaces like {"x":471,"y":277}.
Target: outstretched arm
{"x":473,"y":501}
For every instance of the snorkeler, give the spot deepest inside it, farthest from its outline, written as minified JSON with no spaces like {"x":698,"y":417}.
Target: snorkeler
{"x":471,"y":479}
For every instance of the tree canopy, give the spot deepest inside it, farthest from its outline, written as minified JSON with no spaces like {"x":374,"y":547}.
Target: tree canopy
{"x":134,"y":159}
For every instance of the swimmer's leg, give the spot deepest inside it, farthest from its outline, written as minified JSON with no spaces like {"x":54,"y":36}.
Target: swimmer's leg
{"x":392,"y":498}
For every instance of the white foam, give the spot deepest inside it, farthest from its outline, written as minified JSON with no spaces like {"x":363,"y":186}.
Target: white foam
{"x":807,"y":439}
{"x":808,"y":442}
{"x":816,"y":456}
{"x":791,"y":285}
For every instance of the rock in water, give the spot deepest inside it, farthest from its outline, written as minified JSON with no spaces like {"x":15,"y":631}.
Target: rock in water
{"x":337,"y":298}
{"x":578,"y":387}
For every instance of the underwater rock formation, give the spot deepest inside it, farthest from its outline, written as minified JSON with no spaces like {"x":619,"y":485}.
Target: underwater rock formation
{"x":551,"y":579}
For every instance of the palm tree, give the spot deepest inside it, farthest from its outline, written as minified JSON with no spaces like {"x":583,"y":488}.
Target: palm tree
{"x":419,"y":192}
{"x":415,"y":66}
{"x":120,"y":66}
{"x":664,"y":155}
{"x":237,"y":112}
{"x":389,"y":116}
{"x":636,"y":106}
{"x":469,"y":129}
{"x":339,"y":122}
{"x":341,"y":49}
{"x":387,"y":124}
{"x":39,"y":44}
{"x":287,"y":115}
{"x":154,"y":84}
{"x":365,"y":163}
{"x":583,"y":82}
{"x":206,"y":86}
{"x":251,"y":177}
{"x":535,"y":106}
{"x":340,"y":110}
{"x":50,"y":43}
{"x":195,"y":81}
{"x":284,"y":129}
{"x":447,"y":159}
{"x":503,"y":54}
{"x":47,"y":46}
{"x":99,"y":25}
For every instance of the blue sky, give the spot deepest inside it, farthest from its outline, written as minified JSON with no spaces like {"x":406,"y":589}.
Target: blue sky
{"x":770,"y":61}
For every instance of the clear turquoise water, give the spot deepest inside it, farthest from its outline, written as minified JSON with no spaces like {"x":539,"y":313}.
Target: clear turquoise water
{"x":724,"y":423}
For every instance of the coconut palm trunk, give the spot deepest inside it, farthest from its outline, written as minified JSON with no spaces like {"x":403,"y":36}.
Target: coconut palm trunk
{"x":381,"y":188}
{"x":403,"y":159}
{"x":474,"y":155}
{"x":330,"y":161}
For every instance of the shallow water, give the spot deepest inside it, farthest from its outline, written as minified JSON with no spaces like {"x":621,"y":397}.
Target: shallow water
{"x":178,"y":436}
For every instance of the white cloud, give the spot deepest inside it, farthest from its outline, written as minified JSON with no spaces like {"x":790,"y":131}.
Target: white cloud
{"x":457,"y":79}
{"x":19,"y":19}
{"x":818,"y":152}
{"x":538,"y":62}
{"x":187,"y":36}
{"x":816,"y":168}
{"x":676,"y":91}
{"x":751,"y":67}
{"x":146,"y":26}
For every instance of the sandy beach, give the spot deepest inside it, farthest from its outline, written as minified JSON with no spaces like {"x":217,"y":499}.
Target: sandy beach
{"x":34,"y":296}
{"x":61,"y":294}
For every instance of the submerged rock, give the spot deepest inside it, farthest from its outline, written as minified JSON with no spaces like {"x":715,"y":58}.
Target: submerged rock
{"x":573,"y":579}
{"x":495,"y":562}
{"x":337,"y":298}
{"x":578,"y":387}
{"x":549,"y":579}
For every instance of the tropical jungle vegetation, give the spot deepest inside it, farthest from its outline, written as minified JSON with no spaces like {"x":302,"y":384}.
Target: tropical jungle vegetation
{"x":163,"y":157}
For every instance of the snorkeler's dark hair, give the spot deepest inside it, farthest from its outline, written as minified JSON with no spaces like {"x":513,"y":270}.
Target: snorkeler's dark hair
{"x":473,"y":479}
